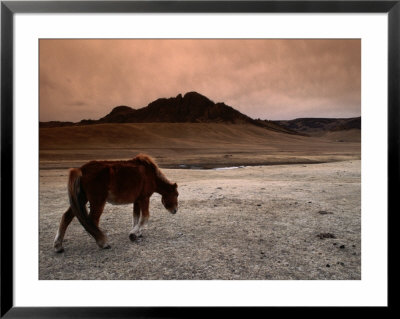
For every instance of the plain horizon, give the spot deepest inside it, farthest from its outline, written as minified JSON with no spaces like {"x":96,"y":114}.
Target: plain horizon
{"x":261,"y":78}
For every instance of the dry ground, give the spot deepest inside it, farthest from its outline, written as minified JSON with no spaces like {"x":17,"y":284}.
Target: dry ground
{"x":204,"y":145}
{"x":258,"y":222}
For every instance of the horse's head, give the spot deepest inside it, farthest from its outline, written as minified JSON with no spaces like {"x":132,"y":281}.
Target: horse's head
{"x":170,"y":198}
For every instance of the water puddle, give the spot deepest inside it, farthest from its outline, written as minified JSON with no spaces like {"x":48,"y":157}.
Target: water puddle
{"x":196,"y":167}
{"x":226,"y":168}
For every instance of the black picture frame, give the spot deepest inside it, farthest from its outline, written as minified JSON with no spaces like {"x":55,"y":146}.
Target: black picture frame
{"x":9,"y":8}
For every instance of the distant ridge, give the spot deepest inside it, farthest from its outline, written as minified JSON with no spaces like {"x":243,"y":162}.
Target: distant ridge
{"x":317,"y":125}
{"x":55,"y":124}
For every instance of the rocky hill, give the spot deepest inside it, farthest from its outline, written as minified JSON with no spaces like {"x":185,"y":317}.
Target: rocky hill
{"x":190,"y":108}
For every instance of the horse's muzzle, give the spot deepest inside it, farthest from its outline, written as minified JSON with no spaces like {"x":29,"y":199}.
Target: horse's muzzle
{"x":173,"y":211}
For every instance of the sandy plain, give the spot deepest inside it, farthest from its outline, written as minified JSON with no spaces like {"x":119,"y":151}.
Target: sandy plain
{"x":240,"y":217}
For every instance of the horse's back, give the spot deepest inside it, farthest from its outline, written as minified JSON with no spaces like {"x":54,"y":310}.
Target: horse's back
{"x":117,"y":181}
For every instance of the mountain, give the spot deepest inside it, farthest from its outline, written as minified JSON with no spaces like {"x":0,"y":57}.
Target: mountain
{"x":190,"y":108}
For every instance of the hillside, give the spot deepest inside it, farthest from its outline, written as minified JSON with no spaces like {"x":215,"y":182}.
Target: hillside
{"x":204,"y":145}
{"x":161,"y":135}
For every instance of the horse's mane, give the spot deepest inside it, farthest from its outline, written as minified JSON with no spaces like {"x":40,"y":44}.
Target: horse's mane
{"x":148,"y":161}
{"x":145,"y":160}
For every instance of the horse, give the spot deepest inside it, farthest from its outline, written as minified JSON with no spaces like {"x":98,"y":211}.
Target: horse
{"x":116,"y":182}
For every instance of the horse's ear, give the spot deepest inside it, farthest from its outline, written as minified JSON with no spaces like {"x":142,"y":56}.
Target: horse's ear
{"x":175,"y":185}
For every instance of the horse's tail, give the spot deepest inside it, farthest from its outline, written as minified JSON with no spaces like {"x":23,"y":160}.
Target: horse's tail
{"x":77,"y":200}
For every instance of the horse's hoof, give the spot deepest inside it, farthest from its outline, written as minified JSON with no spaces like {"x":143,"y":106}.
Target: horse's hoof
{"x":59,"y":250}
{"x":134,"y":237}
{"x":103,"y":245}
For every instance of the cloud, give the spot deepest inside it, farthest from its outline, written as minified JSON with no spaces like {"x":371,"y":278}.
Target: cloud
{"x":273,"y":79}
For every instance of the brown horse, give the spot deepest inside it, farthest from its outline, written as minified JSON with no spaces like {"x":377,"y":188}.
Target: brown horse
{"x":116,"y":182}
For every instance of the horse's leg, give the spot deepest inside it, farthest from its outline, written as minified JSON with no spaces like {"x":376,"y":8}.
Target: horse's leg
{"x":135,"y":221}
{"x":65,"y":221}
{"x":96,"y":209}
{"x":144,"y":217}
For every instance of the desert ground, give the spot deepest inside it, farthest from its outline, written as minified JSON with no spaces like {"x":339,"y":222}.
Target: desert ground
{"x":253,"y":204}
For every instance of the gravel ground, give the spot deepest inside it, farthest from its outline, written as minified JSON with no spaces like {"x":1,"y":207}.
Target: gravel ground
{"x":281,"y":222}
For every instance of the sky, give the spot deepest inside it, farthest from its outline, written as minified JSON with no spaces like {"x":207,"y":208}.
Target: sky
{"x":274,"y":79}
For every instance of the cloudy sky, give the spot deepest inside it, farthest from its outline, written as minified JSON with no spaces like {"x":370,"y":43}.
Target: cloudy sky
{"x":267,"y":79}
